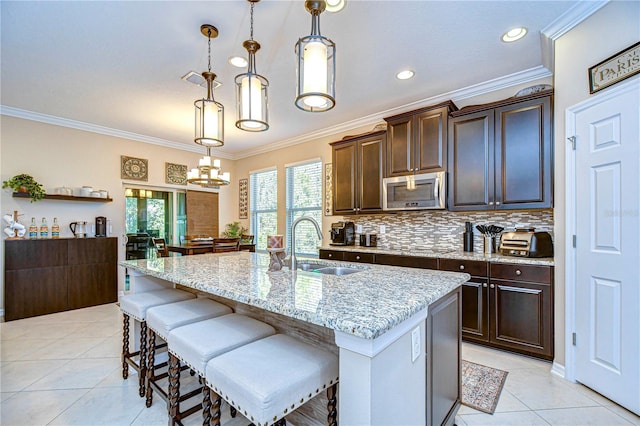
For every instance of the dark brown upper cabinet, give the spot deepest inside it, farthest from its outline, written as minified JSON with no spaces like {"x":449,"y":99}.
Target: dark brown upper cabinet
{"x":417,"y":140}
{"x":500,"y":155}
{"x":358,"y":169}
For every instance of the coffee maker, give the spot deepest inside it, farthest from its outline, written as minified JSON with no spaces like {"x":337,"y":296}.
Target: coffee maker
{"x":343,"y":234}
{"x":101,"y":226}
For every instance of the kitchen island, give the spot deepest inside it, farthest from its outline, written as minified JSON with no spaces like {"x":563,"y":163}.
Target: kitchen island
{"x":396,"y":330}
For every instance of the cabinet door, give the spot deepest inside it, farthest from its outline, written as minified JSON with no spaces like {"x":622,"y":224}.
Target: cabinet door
{"x":92,"y":284}
{"x":523,"y":155}
{"x":344,"y":178}
{"x":35,"y":291}
{"x":430,"y":144}
{"x":475,"y":310}
{"x":471,"y":162}
{"x":399,"y":146}
{"x":522,"y":317}
{"x":371,"y":171}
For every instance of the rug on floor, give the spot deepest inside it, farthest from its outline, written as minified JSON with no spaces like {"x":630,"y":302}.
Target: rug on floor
{"x":481,"y":386}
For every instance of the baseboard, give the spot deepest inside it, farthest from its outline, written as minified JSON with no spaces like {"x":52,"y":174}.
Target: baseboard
{"x":557,"y":369}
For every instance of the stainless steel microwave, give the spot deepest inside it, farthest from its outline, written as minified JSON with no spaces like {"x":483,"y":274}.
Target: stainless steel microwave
{"x":414,"y":192}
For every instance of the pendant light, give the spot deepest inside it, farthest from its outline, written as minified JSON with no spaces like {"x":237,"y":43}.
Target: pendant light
{"x":251,"y":90}
{"x":316,"y":87}
{"x":209,"y":113}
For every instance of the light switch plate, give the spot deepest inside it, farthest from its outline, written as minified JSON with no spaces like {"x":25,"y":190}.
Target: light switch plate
{"x":359,"y":229}
{"x":415,"y":344}
{"x":383,"y":229}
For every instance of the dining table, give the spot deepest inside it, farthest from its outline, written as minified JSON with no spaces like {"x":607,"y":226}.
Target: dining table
{"x":188,"y":248}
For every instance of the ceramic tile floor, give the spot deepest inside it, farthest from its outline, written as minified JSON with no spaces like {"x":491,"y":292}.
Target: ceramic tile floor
{"x":64,"y":369}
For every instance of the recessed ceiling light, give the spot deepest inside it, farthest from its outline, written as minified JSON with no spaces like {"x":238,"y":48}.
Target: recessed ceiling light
{"x":514,"y":34}
{"x":238,"y":61}
{"x":335,"y":5}
{"x":405,"y":75}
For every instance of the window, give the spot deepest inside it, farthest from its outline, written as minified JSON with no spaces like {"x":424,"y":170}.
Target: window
{"x":264,"y":206}
{"x":148,"y":214}
{"x":304,"y":198}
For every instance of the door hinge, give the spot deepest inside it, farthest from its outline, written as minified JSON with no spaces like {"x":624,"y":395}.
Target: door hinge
{"x":574,"y":339}
{"x":572,"y":139}
{"x":574,"y":241}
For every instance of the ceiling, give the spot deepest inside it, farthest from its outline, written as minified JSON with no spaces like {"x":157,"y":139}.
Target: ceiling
{"x":117,"y":64}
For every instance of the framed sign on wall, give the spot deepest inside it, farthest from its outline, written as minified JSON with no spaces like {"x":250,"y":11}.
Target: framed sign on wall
{"x":614,"y":69}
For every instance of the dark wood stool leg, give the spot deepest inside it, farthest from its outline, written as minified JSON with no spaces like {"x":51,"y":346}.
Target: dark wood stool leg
{"x":174,"y":388}
{"x":216,"y":401}
{"x":206,"y":406}
{"x":143,"y":357}
{"x":125,"y":346}
{"x":151,"y":361}
{"x":332,"y":418}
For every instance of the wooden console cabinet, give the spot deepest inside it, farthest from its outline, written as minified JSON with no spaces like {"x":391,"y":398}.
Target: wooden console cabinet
{"x":47,"y":276}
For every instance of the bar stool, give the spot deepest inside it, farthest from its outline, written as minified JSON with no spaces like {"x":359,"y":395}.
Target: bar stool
{"x":195,"y":344}
{"x":164,"y":318}
{"x":268,"y":379}
{"x":135,"y":305}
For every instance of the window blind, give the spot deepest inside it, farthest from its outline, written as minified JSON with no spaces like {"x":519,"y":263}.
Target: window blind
{"x":263,"y":206}
{"x":304,"y":198}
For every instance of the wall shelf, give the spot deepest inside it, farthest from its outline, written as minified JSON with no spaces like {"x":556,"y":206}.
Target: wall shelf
{"x":64,"y":197}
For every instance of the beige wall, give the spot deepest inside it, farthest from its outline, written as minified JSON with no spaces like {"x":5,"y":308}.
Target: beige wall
{"x":614,"y":27}
{"x":59,"y":156}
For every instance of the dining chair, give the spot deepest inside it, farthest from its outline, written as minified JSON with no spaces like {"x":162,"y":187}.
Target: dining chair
{"x":161,"y":247}
{"x":221,"y":245}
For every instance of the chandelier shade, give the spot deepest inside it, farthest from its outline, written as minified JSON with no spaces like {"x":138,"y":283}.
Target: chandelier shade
{"x":208,"y":174}
{"x":209,"y":124}
{"x":316,"y":59}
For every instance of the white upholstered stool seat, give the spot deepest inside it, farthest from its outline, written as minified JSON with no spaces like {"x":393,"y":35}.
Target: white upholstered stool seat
{"x":161,"y":320}
{"x":195,"y":344}
{"x":136,"y":305}
{"x":268,"y":379}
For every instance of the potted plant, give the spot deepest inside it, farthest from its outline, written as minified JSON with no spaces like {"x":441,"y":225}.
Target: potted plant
{"x":25,"y":183}
{"x":234,"y":230}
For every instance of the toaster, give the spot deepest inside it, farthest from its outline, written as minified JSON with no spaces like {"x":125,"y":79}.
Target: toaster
{"x":525,"y":242}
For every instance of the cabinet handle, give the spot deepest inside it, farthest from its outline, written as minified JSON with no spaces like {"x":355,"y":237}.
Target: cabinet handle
{"x":490,"y":203}
{"x":462,"y":267}
{"x":484,"y":285}
{"x":330,"y":255}
{"x":493,"y":286}
{"x":357,"y":257}
{"x":518,"y":272}
{"x":497,"y":203}
{"x":354,"y":209}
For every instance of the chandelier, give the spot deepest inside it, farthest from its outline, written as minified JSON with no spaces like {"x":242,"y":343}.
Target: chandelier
{"x":316,"y":89}
{"x":209,"y":128}
{"x":208,"y":174}
{"x":251,"y":90}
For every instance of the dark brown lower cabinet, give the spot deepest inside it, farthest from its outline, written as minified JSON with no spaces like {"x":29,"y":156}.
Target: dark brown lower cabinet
{"x":47,"y":276}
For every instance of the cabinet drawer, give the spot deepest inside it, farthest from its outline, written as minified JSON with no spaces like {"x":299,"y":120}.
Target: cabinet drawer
{"x":408,"y":261}
{"x":358,"y":257}
{"x":471,"y":267}
{"x":530,"y":273}
{"x":332,"y":254}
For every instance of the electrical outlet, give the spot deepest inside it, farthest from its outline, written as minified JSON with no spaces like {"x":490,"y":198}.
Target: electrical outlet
{"x":415,"y":344}
{"x":383,"y":229}
{"x":359,"y":229}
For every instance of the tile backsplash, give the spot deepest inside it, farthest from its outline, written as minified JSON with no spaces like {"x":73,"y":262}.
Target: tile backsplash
{"x":441,"y":229}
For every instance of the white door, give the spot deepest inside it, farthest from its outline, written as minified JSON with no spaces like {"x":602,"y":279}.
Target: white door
{"x":607,"y":215}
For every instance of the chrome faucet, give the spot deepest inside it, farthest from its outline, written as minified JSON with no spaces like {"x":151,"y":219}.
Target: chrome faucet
{"x":293,"y":263}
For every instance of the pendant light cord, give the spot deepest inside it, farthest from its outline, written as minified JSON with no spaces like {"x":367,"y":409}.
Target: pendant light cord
{"x":209,"y":36}
{"x":251,"y":32}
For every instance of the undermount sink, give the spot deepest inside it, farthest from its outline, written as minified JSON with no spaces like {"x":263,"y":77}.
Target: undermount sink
{"x":337,"y":270}
{"x":327,"y":270}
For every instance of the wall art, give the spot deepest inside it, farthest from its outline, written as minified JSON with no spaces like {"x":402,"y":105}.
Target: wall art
{"x":328,"y":190}
{"x":134,"y":168}
{"x":614,"y":69}
{"x":244,"y":199}
{"x":175,"y":174}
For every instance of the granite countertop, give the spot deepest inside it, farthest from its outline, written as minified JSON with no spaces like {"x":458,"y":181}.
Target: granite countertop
{"x":445,"y":254}
{"x":365,"y":304}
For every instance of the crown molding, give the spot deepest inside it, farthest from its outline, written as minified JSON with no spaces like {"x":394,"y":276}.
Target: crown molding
{"x":563,"y":24}
{"x":510,"y":80}
{"x":94,"y":128}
